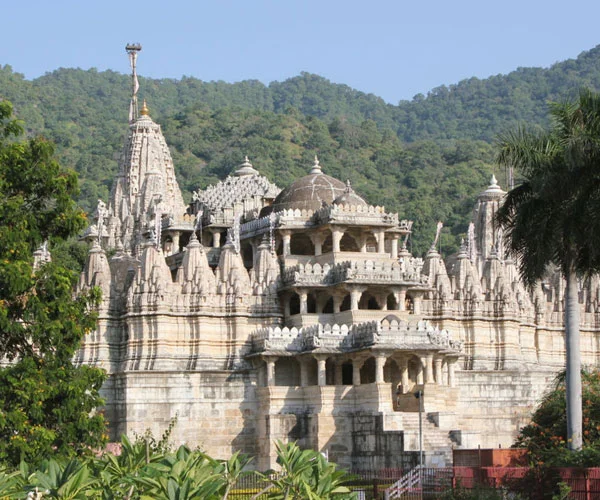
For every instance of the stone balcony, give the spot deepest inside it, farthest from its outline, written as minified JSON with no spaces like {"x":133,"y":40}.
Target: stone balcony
{"x":360,"y":271}
{"x":388,"y":334}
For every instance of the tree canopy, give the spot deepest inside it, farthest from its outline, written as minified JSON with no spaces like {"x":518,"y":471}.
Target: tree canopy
{"x":553,"y":216}
{"x":427,"y":158}
{"x":546,"y":436}
{"x":46,"y":402}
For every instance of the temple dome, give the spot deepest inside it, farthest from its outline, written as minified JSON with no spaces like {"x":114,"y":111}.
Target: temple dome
{"x":310,"y":192}
{"x":349,"y":197}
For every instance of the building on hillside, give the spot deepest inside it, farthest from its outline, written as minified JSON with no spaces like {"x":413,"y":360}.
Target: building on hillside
{"x":256,"y":314}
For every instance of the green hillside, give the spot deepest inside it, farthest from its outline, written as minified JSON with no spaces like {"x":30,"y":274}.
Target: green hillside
{"x":426,"y":158}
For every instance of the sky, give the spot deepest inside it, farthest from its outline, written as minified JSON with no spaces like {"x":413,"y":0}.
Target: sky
{"x":393,"y":49}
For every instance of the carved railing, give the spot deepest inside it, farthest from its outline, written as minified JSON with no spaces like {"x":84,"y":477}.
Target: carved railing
{"x":388,"y":334}
{"x":370,"y":271}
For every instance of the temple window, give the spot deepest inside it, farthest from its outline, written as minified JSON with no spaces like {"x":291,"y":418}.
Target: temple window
{"x":328,"y":307}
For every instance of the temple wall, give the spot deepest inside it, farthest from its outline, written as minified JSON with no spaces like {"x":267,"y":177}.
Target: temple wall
{"x":215,"y":411}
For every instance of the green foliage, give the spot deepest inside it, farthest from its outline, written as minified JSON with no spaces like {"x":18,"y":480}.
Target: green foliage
{"x":427,"y":158}
{"x":546,"y":436}
{"x":479,"y":493}
{"x":64,"y":481}
{"x":46,"y":403}
{"x":306,"y":474}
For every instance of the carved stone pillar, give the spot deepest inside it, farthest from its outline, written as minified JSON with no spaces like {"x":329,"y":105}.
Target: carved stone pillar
{"x":286,"y":238}
{"x":363,"y":243}
{"x":270,"y":360}
{"x":379,"y":363}
{"x":420,"y":372}
{"x":451,"y":372}
{"x":336,"y":237}
{"x":337,"y":375}
{"x":286,"y":305}
{"x":317,"y":240}
{"x":401,"y":298}
{"x":404,"y":374}
{"x":356,"y":366}
{"x":355,"y":294}
{"x":380,"y":242}
{"x":394,"y":247}
{"x":437,"y":365}
{"x":429,"y":369}
{"x":216,"y":238}
{"x":303,"y":373}
{"x":321,"y":369}
{"x":417,"y":297}
{"x":337,"y":302}
{"x":303,"y":302}
{"x":175,"y":236}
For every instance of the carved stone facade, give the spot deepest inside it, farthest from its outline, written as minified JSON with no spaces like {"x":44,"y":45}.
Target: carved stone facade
{"x":258,"y":314}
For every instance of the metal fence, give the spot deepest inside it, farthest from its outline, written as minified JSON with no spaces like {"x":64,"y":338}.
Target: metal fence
{"x":371,"y":484}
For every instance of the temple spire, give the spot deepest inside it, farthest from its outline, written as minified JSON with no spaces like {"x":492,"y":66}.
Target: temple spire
{"x":132,"y":49}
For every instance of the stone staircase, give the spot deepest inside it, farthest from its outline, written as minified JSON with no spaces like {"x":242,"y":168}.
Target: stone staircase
{"x":437,"y":444}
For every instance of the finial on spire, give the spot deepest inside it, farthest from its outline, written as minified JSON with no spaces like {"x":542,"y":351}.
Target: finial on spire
{"x":316,"y":168}
{"x":494,"y":181}
{"x":348,"y":186}
{"x":145,"y":111}
{"x":438,"y":232}
{"x":245,"y":168}
{"x":132,"y":50}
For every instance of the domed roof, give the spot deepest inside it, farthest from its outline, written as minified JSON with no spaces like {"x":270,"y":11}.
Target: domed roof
{"x":349,"y":197}
{"x":310,"y":192}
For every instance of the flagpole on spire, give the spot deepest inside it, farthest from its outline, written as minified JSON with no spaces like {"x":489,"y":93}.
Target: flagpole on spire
{"x":132,"y":49}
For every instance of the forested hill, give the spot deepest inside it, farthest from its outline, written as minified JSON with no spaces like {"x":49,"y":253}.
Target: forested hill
{"x":426,"y":158}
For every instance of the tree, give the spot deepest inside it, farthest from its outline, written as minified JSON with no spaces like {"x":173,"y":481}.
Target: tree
{"x":46,"y":403}
{"x":553,"y":216}
{"x":307,"y":474}
{"x":546,"y":436}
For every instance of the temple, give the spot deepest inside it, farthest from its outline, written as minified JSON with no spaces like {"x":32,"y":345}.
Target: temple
{"x":257,"y":313}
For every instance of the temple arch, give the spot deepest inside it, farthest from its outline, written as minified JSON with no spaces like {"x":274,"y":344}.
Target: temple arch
{"x":346,"y":303}
{"x":370,"y":243}
{"x":368,"y":301}
{"x":348,"y":243}
{"x":327,"y":246}
{"x":392,"y":303}
{"x":367,"y":372}
{"x":301,"y":244}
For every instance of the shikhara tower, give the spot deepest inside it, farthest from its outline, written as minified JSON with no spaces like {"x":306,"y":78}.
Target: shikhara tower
{"x":145,"y":191}
{"x":257,"y":314}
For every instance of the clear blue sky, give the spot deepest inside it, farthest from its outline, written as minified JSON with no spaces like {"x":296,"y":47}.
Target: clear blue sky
{"x":394,"y":49}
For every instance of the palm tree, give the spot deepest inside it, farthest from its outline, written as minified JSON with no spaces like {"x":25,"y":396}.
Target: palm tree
{"x":553,"y":216}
